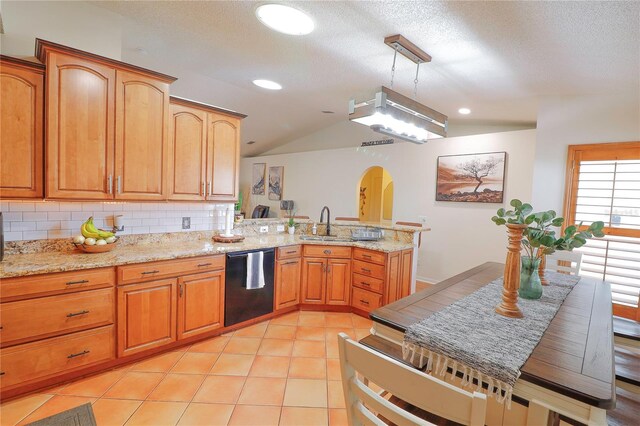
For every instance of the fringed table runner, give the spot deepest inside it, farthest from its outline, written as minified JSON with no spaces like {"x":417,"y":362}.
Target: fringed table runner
{"x":470,"y":337}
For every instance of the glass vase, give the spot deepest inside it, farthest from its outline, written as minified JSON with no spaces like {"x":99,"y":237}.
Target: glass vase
{"x":530,"y":285}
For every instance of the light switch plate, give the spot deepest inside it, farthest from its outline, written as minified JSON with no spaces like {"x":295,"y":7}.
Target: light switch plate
{"x":264,"y":229}
{"x":279,"y":228}
{"x":186,"y":223}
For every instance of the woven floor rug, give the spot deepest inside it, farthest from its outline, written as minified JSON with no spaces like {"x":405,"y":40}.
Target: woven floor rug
{"x":470,"y":337}
{"x":78,"y":416}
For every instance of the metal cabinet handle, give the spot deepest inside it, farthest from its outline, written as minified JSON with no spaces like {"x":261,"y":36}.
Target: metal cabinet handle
{"x":365,"y":284}
{"x":327,"y":252}
{"x":118,"y":185}
{"x":78,"y":354}
{"x":364,"y":302}
{"x":76,"y":282}
{"x":366,"y":256}
{"x":110,"y":184}
{"x":75,"y":314}
{"x":209,"y":186}
{"x":203,"y":190}
{"x":292,"y":252}
{"x":181,"y":289}
{"x":1,"y":373}
{"x":291,"y":262}
{"x":202,"y":265}
{"x":150,"y":272}
{"x":366,"y":270}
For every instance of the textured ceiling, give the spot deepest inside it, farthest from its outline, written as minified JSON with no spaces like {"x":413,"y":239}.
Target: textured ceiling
{"x":497,"y":58}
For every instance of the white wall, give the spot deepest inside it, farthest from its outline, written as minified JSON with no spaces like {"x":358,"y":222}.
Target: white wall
{"x":462,"y":234}
{"x":564,"y":121}
{"x":75,"y":24}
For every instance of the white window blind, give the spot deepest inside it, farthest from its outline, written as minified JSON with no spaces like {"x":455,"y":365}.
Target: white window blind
{"x":610,"y":191}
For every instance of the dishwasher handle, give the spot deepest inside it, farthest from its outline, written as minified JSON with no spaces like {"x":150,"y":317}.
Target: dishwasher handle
{"x":237,"y":255}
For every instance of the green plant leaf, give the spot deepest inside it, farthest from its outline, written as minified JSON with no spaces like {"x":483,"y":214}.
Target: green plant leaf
{"x":570,"y":230}
{"x":558,"y":221}
{"x":500,"y":212}
{"x":515,"y":203}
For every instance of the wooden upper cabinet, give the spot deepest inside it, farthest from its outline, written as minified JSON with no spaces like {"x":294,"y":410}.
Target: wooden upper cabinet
{"x":142,"y":119}
{"x":21,"y":128}
{"x":187,"y":153}
{"x":223,"y":145}
{"x":80,"y":127}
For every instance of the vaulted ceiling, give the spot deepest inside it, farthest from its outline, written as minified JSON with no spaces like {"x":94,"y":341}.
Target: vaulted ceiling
{"x":497,"y":58}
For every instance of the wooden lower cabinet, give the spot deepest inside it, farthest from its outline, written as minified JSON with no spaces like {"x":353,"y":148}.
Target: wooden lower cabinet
{"x":146,"y":315}
{"x":50,"y":357}
{"x":287,"y":291}
{"x":200,"y":303}
{"x":338,"y":281}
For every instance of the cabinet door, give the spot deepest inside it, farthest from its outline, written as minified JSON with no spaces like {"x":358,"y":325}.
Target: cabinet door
{"x":338,"y":281}
{"x":313,"y":280}
{"x":393,"y":272}
{"x":287,"y":283}
{"x":406,"y":269}
{"x":142,"y":124}
{"x":21,"y":131}
{"x":146,"y":316}
{"x":80,"y":128}
{"x":200,"y":303}
{"x":187,"y":153}
{"x":223,"y":157}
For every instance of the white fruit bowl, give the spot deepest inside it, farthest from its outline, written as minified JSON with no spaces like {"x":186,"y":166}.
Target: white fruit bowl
{"x":95,"y":248}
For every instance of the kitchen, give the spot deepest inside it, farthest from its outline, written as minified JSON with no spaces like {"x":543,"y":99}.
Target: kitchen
{"x":168,"y":306}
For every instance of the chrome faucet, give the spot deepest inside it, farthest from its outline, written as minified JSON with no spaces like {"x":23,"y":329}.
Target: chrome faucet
{"x":328,"y":218}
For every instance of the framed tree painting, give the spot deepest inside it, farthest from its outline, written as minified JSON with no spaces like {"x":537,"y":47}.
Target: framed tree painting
{"x":474,"y":178}
{"x":275,"y":182}
{"x":257,"y":181}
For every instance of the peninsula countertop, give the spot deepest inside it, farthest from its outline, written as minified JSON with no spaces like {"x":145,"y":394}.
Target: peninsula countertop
{"x":18,"y":265}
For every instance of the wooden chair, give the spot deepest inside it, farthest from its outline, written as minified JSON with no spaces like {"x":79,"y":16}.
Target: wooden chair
{"x":567,"y":262}
{"x":364,"y":406}
{"x":351,"y":219}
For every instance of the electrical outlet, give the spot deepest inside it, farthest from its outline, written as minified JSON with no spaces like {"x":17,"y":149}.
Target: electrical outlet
{"x":422,"y":219}
{"x":279,"y":228}
{"x":264,"y":229}
{"x":186,"y":223}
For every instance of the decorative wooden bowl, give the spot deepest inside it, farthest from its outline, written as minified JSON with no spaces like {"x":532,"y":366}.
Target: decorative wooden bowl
{"x":223,"y":239}
{"x":96,"y":249}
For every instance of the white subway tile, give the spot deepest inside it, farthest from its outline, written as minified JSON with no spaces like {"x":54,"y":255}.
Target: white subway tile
{"x":70,"y":207}
{"x":34,"y":217}
{"x":92,"y":207}
{"x":48,"y":225}
{"x":23,"y":226}
{"x":59,"y":216}
{"x":4,"y":206}
{"x":130,"y":207}
{"x":83,"y":216}
{"x":139,"y":229}
{"x":47,"y":206}
{"x":73,"y":225}
{"x":34,"y":235}
{"x":59,"y":233}
{"x":151,"y":222}
{"x":157,"y":229}
{"x":113,"y":207}
{"x":22,"y":207}
{"x":13,"y":236}
{"x":11,"y":216}
{"x":132,"y":222}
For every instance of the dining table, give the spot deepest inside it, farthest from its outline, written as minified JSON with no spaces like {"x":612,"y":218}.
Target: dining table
{"x":570,"y":375}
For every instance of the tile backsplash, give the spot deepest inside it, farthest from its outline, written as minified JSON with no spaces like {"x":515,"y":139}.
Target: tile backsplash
{"x":39,"y":220}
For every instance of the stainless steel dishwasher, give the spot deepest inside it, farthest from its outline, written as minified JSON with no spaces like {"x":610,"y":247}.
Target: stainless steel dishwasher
{"x":241,"y":304}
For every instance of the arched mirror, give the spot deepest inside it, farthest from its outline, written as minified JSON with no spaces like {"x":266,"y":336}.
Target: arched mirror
{"x":375,"y":198}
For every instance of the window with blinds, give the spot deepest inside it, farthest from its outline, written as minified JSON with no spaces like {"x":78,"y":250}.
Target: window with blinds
{"x":604,"y":184}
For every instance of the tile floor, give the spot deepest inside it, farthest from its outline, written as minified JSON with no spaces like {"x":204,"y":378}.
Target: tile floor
{"x":280,"y":372}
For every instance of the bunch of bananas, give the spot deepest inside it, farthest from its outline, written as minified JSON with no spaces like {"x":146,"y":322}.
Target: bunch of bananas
{"x":89,"y":230}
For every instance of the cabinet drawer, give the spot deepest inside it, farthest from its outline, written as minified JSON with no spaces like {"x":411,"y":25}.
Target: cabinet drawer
{"x":327,"y":251}
{"x":172,"y":268}
{"x":368,"y":283}
{"x":365,"y":300}
{"x":33,"y":319}
{"x":369,"y":269}
{"x":289,"y":252}
{"x":369,"y":256}
{"x":50,"y":357}
{"x":49,"y":284}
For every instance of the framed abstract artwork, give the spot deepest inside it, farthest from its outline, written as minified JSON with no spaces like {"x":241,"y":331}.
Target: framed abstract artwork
{"x":471,"y":178}
{"x":257,"y":180}
{"x":275,"y":182}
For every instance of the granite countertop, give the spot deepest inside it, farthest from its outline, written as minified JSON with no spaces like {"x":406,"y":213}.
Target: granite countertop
{"x":16,"y":265}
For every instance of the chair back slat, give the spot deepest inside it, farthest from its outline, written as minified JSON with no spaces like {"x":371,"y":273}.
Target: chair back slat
{"x":567,"y":262}
{"x":406,"y":383}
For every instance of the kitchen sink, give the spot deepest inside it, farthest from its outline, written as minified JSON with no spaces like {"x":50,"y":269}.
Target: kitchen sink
{"x":324,"y":238}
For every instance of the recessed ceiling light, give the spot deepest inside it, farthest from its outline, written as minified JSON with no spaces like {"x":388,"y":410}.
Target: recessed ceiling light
{"x":267,"y":84}
{"x":285,"y":19}
{"x":464,"y":111}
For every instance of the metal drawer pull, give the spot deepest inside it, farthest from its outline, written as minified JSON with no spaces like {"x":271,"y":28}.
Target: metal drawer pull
{"x":1,"y":373}
{"x":292,"y":252}
{"x":366,"y":270}
{"x":76,"y":282}
{"x":363,"y":283}
{"x":367,"y":256}
{"x":78,"y":354}
{"x":202,"y":265}
{"x":291,"y":262}
{"x":364,"y":302}
{"x":327,"y":252}
{"x":150,"y":272}
{"x":75,"y":314}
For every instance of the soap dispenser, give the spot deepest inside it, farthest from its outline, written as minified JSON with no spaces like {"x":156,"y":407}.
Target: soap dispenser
{"x":314,"y":229}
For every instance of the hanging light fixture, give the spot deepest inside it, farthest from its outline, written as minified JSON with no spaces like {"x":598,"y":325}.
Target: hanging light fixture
{"x":396,"y":115}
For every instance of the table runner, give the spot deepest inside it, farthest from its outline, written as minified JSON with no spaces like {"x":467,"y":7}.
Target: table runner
{"x":469,"y":336}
